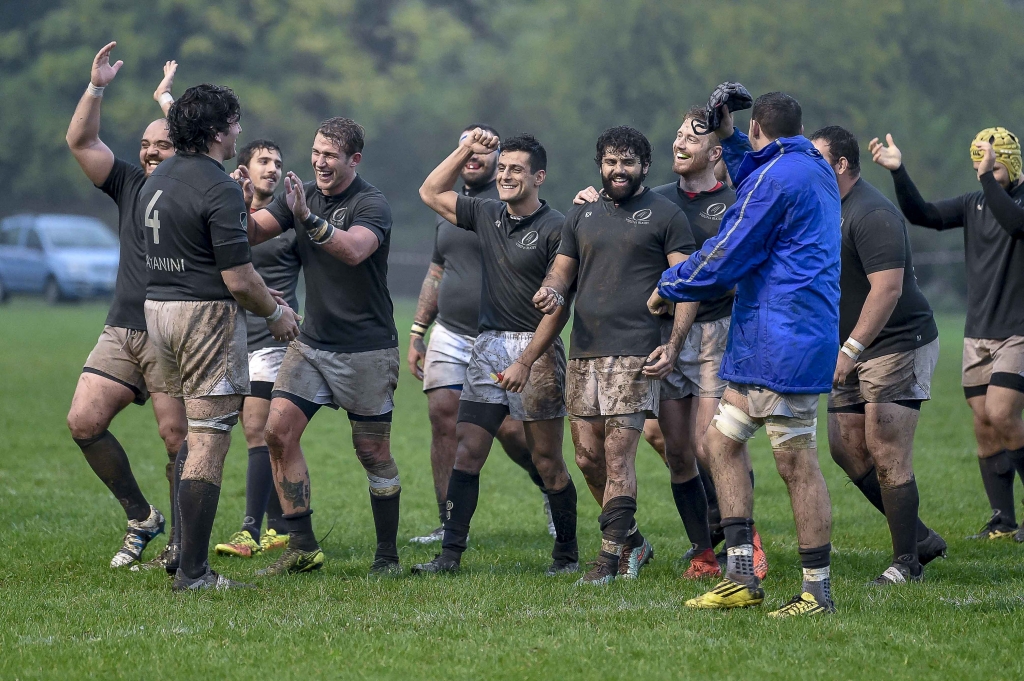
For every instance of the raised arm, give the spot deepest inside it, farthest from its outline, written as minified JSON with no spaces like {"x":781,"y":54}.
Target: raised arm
{"x":1008,"y":214}
{"x":735,"y":143}
{"x":83,"y":138}
{"x":436,"y":191}
{"x":942,"y":215}
{"x":162,"y":94}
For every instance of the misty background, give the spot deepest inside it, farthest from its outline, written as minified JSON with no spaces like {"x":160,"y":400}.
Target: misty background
{"x":414,"y":72}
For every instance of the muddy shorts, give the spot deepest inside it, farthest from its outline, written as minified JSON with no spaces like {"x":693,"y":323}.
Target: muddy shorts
{"x":896,"y":377}
{"x":495,"y":351}
{"x":695,"y":373}
{"x":200,"y":346}
{"x":789,"y":418}
{"x":361,"y":383}
{"x":995,"y":362}
{"x":611,"y":386}
{"x":126,"y":356}
{"x":447,"y":357}
{"x":263,"y":367}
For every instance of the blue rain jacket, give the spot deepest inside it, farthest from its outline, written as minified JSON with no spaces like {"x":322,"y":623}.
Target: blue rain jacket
{"x":779,"y":246}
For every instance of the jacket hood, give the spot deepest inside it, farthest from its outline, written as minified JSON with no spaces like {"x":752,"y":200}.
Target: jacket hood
{"x":783,"y":145}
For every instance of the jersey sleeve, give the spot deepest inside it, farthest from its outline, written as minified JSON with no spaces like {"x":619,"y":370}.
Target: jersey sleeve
{"x":945,"y":214}
{"x":280,"y":211}
{"x":468,"y":210}
{"x":880,"y":240}
{"x":436,"y":258}
{"x":227,"y":220}
{"x":554,"y":241}
{"x":567,"y":245}
{"x":123,"y":178}
{"x":679,"y":236}
{"x":374,"y":214}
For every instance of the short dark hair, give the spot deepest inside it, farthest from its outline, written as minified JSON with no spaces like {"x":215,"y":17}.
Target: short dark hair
{"x":202,"y":111}
{"x":482,"y":126}
{"x":250,"y":149}
{"x":841,"y":144}
{"x":778,"y":114}
{"x":624,"y":139}
{"x":345,"y":133}
{"x":529,"y":144}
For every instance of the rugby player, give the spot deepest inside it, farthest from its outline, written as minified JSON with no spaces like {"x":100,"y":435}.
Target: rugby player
{"x":779,"y":242}
{"x":450,"y":300}
{"x":993,"y":359}
{"x":517,"y":367}
{"x":347,"y":354}
{"x":884,"y":369}
{"x":613,"y":251}
{"x":121,"y":369}
{"x":200,"y":278}
{"x":690,"y":393}
{"x":277,"y":261}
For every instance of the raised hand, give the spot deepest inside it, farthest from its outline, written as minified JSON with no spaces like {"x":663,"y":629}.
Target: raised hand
{"x":164,"y":88}
{"x":102,"y":70}
{"x":479,"y":141}
{"x":988,"y":159}
{"x":889,"y":157}
{"x":295,"y":195}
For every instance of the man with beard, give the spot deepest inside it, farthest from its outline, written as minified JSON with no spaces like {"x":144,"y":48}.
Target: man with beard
{"x":779,"y":246}
{"x":884,"y":369}
{"x":450,"y":299}
{"x":613,"y":251}
{"x":121,"y":369}
{"x":277,"y":261}
{"x":200,"y":278}
{"x":347,"y":354}
{"x":517,"y":367}
{"x":993,"y":360}
{"x":690,"y":393}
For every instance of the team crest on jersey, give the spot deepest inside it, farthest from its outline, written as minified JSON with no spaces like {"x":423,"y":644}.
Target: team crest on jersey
{"x":529,"y":240}
{"x":641,"y":217}
{"x":338,"y":216}
{"x":713,"y":212}
{"x":588,"y":213}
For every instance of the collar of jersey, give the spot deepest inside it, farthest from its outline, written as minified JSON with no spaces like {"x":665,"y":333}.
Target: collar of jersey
{"x":512,"y":225}
{"x":721,"y":186}
{"x":611,"y":204}
{"x":189,"y":154}
{"x":357,"y":185}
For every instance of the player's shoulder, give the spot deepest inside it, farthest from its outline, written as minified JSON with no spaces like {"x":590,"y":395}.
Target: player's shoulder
{"x":550,"y":219}
{"x":658,"y":207}
{"x":667,"y":190}
{"x":366,"y":194}
{"x":865,"y":203}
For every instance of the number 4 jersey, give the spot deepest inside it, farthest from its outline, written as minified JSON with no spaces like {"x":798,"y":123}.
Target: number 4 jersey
{"x":195,"y":223}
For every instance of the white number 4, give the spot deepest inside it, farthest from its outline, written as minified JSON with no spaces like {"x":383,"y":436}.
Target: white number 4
{"x":153,"y":216}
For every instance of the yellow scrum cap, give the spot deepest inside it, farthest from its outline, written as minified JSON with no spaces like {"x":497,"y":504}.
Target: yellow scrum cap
{"x":1005,"y":144}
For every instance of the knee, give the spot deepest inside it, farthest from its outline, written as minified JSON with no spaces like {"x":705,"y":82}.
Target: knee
{"x":82,"y":427}
{"x":173,"y":434}
{"x":1001,"y":417}
{"x":442,"y":420}
{"x":279,"y":437}
{"x":254,"y":433}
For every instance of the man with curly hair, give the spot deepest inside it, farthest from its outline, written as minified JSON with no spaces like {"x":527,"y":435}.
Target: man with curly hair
{"x":613,"y":252}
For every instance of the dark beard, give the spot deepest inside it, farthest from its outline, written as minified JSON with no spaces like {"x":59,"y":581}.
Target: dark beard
{"x":620,"y":194}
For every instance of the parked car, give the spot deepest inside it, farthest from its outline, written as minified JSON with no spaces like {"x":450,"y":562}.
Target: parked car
{"x":64,"y":257}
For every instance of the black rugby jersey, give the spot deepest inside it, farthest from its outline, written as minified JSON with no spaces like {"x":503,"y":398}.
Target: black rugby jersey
{"x":277,"y":261}
{"x":123,"y":185}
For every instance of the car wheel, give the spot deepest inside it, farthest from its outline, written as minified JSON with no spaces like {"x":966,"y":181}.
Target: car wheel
{"x":52,"y":292}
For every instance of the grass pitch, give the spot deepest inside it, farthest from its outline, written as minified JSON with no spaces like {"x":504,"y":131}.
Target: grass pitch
{"x":65,"y":614}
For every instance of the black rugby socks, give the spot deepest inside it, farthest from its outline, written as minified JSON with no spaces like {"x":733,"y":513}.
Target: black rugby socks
{"x":997,"y":475}
{"x":617,"y":521}
{"x":108,"y":461}
{"x":197,"y":500}
{"x":901,"y":505}
{"x":259,"y":486}
{"x":385,"y":522}
{"x":300,"y":531}
{"x":179,"y":467}
{"x":463,"y":493}
{"x":692,"y":505}
{"x":563,"y":515}
{"x":871,"y":489}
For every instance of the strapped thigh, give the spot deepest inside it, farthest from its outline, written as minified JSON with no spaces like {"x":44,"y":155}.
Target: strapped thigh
{"x":791,"y":433}
{"x":734,"y":423}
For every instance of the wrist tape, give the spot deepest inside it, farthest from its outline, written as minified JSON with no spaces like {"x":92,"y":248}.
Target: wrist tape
{"x":275,"y":315}
{"x":418,"y":329}
{"x":852,"y":348}
{"x":166,"y":98}
{"x":319,"y":230}
{"x":95,"y":90}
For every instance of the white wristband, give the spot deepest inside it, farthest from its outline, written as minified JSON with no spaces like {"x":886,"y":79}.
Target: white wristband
{"x":850,"y":353}
{"x":166,"y":98}
{"x":276,"y":314}
{"x":855,"y":343}
{"x":94,"y":91}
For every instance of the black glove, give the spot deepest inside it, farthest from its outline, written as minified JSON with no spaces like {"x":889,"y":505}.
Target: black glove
{"x":734,"y":95}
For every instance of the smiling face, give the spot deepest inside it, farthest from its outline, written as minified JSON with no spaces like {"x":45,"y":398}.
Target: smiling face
{"x":479,"y":169}
{"x":265,"y":171}
{"x":693,"y":154}
{"x":332,"y":166}
{"x":155,"y":146}
{"x":228,"y":140}
{"x":621,"y":174}
{"x":516,"y":181}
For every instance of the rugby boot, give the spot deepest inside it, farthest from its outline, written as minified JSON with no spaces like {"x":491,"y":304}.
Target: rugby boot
{"x":803,"y":604}
{"x":241,"y":545}
{"x":760,"y":558}
{"x":1017,"y":537}
{"x":440,"y":564}
{"x":167,"y":560}
{"x":562,"y":566}
{"x":601,"y":572}
{"x":689,"y":555}
{"x":728,"y":594}
{"x":294,"y":561}
{"x":385,"y":567}
{"x":703,"y":566}
{"x":996,"y":528}
{"x":551,"y":519}
{"x":896,"y":574}
{"x":431,"y":538}
{"x":272,"y":541}
{"x":632,"y":559}
{"x":931,"y":547}
{"x":210,"y":580}
{"x":138,"y":536}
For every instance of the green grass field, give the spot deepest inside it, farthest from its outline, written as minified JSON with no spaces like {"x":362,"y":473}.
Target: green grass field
{"x":65,"y":614}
